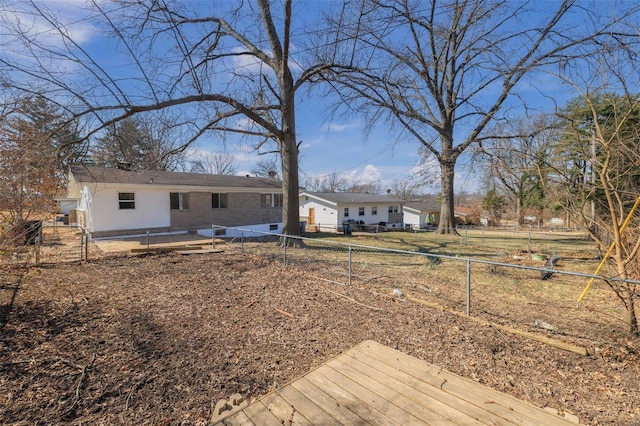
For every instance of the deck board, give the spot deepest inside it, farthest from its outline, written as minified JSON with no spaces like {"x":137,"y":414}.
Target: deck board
{"x":429,"y":394}
{"x":338,"y":411}
{"x":371,"y":384}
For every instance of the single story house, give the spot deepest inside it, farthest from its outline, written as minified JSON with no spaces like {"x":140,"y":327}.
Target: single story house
{"x":65,"y":205}
{"x":113,"y":201}
{"x":421,"y":214}
{"x":328,"y":210}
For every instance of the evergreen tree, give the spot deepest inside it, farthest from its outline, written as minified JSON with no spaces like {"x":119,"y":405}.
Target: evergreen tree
{"x":60,"y":132}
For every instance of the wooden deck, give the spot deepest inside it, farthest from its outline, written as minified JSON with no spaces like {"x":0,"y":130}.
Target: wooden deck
{"x":372,"y":384}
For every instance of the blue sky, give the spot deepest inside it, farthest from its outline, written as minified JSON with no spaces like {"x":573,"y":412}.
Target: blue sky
{"x":338,"y":144}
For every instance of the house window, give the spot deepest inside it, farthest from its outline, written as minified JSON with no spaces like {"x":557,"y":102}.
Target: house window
{"x":346,"y":212}
{"x":271,"y":200}
{"x":179,"y":200}
{"x":360,"y":211}
{"x":126,"y":200}
{"x":393,"y":209}
{"x":374,"y":210}
{"x":273,"y":227}
{"x":219,"y":201}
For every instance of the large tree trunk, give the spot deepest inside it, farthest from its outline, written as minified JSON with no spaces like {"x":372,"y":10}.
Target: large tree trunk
{"x":447,"y":207}
{"x":290,"y":187}
{"x":289,"y":154}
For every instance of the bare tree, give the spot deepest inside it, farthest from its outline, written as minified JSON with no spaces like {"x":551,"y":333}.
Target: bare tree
{"x":214,"y":163}
{"x":365,"y":188}
{"x":142,"y":142}
{"x":442,"y":71}
{"x":406,"y":189}
{"x":222,"y":66}
{"x":597,"y":165}
{"x":332,"y":182}
{"x":268,"y":168}
{"x":517,"y":163}
{"x":605,"y":134}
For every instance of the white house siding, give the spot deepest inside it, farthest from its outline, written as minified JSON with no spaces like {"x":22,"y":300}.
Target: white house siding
{"x":368,"y":218}
{"x":413,"y":219}
{"x":325,"y":214}
{"x":151,"y":209}
{"x":331,"y":215}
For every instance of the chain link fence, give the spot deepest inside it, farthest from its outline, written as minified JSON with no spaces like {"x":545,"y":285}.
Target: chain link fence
{"x":38,"y":242}
{"x":494,"y":275}
{"x":509,"y":289}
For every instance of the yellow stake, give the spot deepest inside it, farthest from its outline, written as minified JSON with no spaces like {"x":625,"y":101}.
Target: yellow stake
{"x":606,"y":256}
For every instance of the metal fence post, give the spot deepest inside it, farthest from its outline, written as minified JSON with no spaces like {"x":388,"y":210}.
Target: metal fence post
{"x":284,"y":251}
{"x":468,"y":311}
{"x":147,"y":241}
{"x":82,"y":242}
{"x":349,"y":264}
{"x":86,"y":246}
{"x":38,"y":244}
{"x":242,"y":242}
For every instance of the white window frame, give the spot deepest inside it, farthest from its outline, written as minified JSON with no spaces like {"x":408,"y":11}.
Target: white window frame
{"x":183,"y":200}
{"x":126,"y":203}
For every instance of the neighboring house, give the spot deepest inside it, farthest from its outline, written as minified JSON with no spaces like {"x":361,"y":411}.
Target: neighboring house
{"x":328,"y":210}
{"x":65,"y":205}
{"x":421,"y":214}
{"x":113,"y":200}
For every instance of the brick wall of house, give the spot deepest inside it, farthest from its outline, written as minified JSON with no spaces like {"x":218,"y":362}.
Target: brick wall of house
{"x":243,"y":209}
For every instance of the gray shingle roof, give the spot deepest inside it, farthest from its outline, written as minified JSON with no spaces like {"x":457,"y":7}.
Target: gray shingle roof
{"x":93,"y":174}
{"x":352,"y":197}
{"x":424,"y":206}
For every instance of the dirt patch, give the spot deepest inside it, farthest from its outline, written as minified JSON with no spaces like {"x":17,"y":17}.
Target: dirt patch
{"x":159,"y":339}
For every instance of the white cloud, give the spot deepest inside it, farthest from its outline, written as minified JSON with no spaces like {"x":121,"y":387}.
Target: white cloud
{"x":67,"y":20}
{"x":370,"y":174}
{"x":249,"y":64}
{"x":334,"y":127}
{"x":246,"y":64}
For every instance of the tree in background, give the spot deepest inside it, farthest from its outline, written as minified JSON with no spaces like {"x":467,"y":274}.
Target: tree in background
{"x":141,"y":143}
{"x":406,"y":189}
{"x":443,"y":71}
{"x":62,"y":132}
{"x":332,"y":182}
{"x":30,"y":176}
{"x":214,"y":163}
{"x":517,"y":163}
{"x":364,"y":188}
{"x":270,"y":167}
{"x":494,"y":204}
